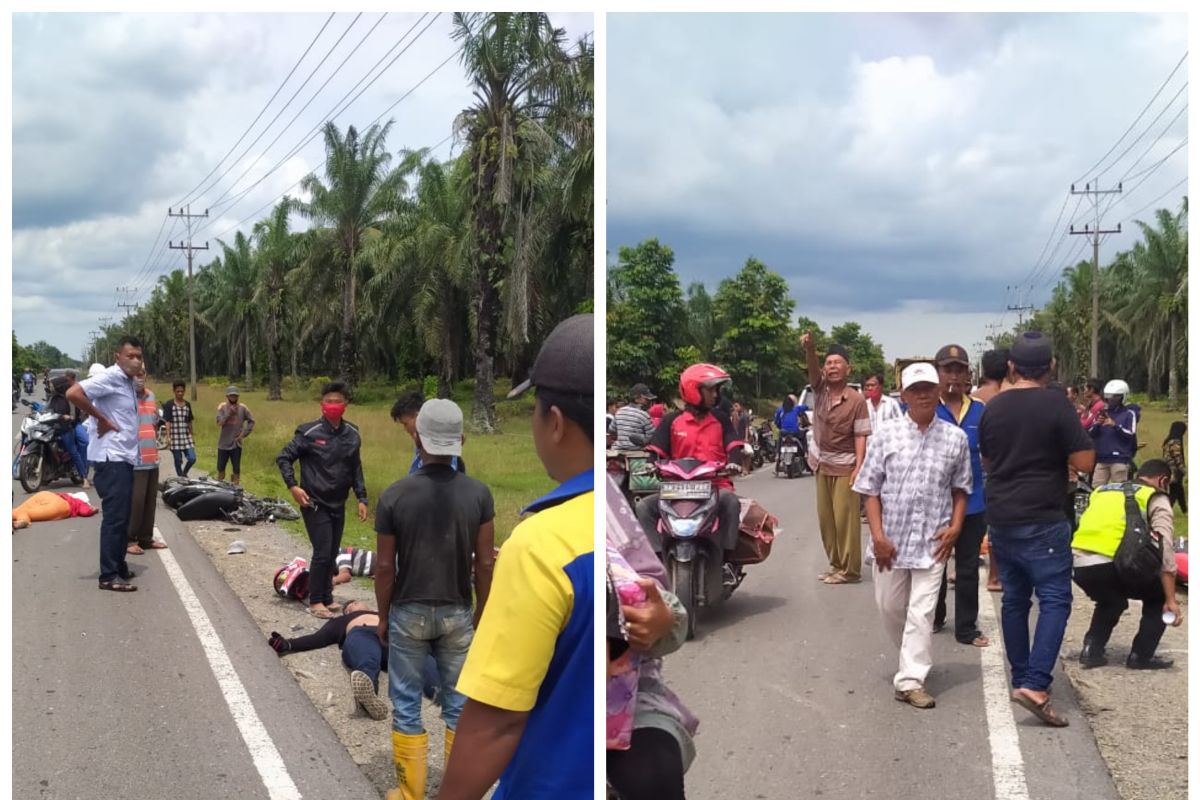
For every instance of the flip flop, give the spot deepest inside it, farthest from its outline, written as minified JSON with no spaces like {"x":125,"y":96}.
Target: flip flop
{"x":135,"y":550}
{"x":117,"y":586}
{"x":979,"y":641}
{"x":321,"y":613}
{"x":1042,"y":711}
{"x":157,"y":545}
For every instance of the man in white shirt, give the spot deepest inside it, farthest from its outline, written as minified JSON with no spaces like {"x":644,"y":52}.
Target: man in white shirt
{"x":111,"y":398}
{"x":880,"y":407}
{"x":916,"y":478}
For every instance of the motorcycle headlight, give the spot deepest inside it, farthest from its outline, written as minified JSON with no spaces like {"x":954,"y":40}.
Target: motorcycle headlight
{"x":685,"y":528}
{"x":41,"y":435}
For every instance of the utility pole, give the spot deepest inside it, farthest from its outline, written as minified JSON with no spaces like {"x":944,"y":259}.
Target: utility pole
{"x":1094,"y":192}
{"x":1020,"y":307}
{"x":188,"y":216}
{"x":103,"y":335}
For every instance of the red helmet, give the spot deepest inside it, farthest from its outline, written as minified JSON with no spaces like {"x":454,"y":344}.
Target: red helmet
{"x":697,"y":375}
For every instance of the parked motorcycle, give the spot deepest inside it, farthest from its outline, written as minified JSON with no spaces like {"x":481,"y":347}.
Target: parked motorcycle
{"x":632,"y":472}
{"x":689,"y":525}
{"x":41,"y":459}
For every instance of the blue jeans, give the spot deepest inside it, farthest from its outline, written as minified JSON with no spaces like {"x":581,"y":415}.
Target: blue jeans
{"x":82,"y":439}
{"x":1033,"y":558}
{"x":363,"y":652}
{"x":114,"y":484}
{"x":179,"y":455}
{"x":70,"y":443}
{"x":414,"y":631}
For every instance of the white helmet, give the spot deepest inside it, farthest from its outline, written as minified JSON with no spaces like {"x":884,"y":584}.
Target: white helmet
{"x":1114,"y":388}
{"x":95,"y":369}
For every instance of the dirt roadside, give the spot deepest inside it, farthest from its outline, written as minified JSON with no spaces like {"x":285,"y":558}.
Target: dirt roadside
{"x":320,"y":672}
{"x":1140,"y":719}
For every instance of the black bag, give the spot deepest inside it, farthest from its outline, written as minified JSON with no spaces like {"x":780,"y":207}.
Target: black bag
{"x":1139,"y":557}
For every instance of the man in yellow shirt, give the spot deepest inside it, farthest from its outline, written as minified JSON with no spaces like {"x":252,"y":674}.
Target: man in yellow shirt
{"x":528,"y":676}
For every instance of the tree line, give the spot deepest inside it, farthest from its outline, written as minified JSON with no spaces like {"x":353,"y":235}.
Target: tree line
{"x":410,"y":266}
{"x":1143,"y":313}
{"x":654,"y":329}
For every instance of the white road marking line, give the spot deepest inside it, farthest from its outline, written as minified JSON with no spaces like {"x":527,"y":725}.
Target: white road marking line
{"x":1008,"y":765}
{"x":266,"y":756}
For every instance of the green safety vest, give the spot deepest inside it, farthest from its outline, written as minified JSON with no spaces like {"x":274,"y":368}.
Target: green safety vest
{"x":1102,"y":525}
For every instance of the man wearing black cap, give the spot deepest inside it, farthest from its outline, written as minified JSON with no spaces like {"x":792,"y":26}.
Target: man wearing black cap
{"x":1027,"y":438}
{"x":841,"y":425}
{"x":958,"y":408}
{"x":528,"y":676}
{"x":634,"y":426}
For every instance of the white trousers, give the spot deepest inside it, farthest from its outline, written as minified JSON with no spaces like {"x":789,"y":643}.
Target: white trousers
{"x":907,"y":599}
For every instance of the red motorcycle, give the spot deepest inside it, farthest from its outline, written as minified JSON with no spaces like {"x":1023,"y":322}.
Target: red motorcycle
{"x":689,"y":524}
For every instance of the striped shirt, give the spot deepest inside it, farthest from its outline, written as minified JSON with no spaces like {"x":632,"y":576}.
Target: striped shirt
{"x":147,"y":409}
{"x":634,"y":428}
{"x":913,"y":475}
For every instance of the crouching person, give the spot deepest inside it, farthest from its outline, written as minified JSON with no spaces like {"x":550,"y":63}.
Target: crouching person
{"x":1101,"y":529}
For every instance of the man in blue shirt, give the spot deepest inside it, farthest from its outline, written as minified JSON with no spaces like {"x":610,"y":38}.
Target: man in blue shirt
{"x":405,"y":411}
{"x":111,"y":398}
{"x":957,"y":407}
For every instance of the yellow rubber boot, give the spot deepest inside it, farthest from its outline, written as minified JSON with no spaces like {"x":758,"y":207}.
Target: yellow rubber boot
{"x":449,"y":744}
{"x":411,"y":752}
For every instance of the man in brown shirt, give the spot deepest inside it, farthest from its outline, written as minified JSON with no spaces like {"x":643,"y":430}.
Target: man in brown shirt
{"x":841,"y":424}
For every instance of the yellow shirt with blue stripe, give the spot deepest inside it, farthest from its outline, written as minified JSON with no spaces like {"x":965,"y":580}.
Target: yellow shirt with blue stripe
{"x":534,"y":648}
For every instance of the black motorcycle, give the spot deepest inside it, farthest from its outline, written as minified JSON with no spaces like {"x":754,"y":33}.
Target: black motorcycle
{"x":792,"y":453}
{"x":764,"y":444}
{"x":42,"y":458}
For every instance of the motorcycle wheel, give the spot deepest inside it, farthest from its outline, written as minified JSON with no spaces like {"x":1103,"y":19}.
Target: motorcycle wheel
{"x":32,"y":472}
{"x":683,"y":584}
{"x":757,"y":459}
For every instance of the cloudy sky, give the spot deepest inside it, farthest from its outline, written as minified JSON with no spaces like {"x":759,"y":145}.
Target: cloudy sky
{"x":118,"y":117}
{"x":899,"y":170}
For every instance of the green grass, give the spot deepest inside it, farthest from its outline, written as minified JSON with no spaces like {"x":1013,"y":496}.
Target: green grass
{"x":1152,"y":429}
{"x":506,"y":462}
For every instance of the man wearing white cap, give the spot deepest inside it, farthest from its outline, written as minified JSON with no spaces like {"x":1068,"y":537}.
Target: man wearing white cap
{"x":434,"y":529}
{"x":915,"y":479}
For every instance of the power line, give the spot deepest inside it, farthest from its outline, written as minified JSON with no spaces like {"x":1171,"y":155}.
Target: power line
{"x":279,"y":113}
{"x":1124,"y":152}
{"x":1155,"y":200}
{"x":292,"y":121}
{"x":1135,"y":121}
{"x":250,"y":127}
{"x":316,"y":129}
{"x":1147,"y":175}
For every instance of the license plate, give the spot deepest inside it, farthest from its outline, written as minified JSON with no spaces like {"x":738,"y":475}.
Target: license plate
{"x":791,"y":449}
{"x":690,"y":490}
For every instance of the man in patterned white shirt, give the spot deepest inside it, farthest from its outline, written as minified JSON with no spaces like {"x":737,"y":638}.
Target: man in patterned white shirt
{"x":916,"y":478}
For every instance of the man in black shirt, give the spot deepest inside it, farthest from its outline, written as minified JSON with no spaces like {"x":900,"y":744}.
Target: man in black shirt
{"x":1027,"y":437}
{"x":330,"y":465}
{"x":362,"y":652}
{"x":433,"y":527}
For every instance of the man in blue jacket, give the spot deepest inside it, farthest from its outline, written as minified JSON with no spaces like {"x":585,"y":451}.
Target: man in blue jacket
{"x":959,"y":408}
{"x":1114,"y":435}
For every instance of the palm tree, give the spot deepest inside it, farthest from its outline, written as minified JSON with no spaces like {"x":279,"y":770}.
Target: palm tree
{"x":233,"y":312}
{"x":357,"y":196}
{"x":512,"y":61}
{"x":1157,"y":303}
{"x":277,"y":250}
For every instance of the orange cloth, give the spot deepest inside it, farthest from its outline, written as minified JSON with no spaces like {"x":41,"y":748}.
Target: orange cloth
{"x":42,"y":507}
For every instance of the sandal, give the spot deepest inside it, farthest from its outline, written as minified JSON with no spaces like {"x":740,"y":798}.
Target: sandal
{"x":1042,"y":710}
{"x":837,"y":579}
{"x":135,"y":550}
{"x":321,"y":613}
{"x":996,"y":588}
{"x":117,"y":586}
{"x":978,"y":641}
{"x":157,"y":545}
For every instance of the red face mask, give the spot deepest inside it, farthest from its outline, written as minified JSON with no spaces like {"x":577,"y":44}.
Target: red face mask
{"x":333,"y":411}
{"x":874,"y":394}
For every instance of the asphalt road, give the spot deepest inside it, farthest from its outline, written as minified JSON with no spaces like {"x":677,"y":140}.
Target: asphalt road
{"x":114,"y":694}
{"x":791,"y":680}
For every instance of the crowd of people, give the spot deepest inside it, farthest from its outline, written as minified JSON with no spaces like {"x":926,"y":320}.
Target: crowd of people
{"x":509,"y":637}
{"x":948,"y":472}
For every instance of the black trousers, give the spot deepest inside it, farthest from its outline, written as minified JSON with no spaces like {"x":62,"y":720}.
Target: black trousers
{"x":728,"y":509}
{"x":966,"y":581}
{"x":651,"y":769}
{"x":1102,"y":584}
{"x":324,"y":525}
{"x":1178,"y":495}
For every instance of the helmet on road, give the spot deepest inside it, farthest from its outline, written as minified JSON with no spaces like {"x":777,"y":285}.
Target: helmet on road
{"x":1113,"y":388}
{"x":696,"y":376}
